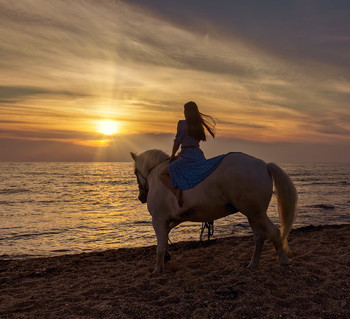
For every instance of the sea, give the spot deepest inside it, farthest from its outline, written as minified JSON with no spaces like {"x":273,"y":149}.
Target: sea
{"x":50,"y":209}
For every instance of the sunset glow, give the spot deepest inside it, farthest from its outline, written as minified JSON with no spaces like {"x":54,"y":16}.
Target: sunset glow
{"x":68,"y":70}
{"x":108,"y":127}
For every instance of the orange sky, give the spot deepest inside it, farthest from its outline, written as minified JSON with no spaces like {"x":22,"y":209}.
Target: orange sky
{"x":65,"y":66}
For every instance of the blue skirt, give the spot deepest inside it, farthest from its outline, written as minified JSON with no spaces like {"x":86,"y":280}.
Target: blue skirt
{"x":191,"y":167}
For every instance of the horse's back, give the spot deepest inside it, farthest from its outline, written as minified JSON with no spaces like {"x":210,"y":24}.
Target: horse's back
{"x":238,"y":180}
{"x":241,"y":167}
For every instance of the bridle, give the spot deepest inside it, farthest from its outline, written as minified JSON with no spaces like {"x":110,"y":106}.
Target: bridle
{"x":143,"y":187}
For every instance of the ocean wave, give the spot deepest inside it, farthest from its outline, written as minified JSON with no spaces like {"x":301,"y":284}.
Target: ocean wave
{"x":8,"y":191}
{"x":103,"y":205}
{"x":5,"y":202}
{"x":239,"y":227}
{"x":47,"y":201}
{"x":329,"y":183}
{"x":305,"y":179}
{"x":324,"y":206}
{"x":141,"y":222}
{"x":83,"y":183}
{"x":111,"y":183}
{"x":60,"y":250}
{"x":125,"y":182}
{"x":20,"y":236}
{"x":17,"y":257}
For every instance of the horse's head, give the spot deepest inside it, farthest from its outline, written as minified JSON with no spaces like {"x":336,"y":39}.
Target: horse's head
{"x":141,"y":181}
{"x":144,"y":164}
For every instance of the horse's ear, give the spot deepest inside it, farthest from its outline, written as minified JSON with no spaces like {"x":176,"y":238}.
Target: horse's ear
{"x":133,"y":155}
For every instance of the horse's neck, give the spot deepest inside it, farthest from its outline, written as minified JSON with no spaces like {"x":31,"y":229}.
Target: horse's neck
{"x":153,"y":175}
{"x":152,"y":162}
{"x":150,"y":166}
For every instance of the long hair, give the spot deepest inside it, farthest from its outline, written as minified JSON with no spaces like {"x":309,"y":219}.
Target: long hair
{"x":197,"y":121}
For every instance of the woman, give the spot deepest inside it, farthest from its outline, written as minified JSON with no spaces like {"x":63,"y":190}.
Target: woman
{"x":190,"y":167}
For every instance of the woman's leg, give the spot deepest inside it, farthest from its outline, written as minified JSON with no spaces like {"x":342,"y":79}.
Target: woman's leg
{"x":165,"y":178}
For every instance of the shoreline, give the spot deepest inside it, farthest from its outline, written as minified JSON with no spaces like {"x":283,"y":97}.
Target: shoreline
{"x":202,"y":280}
{"x":183,"y":242}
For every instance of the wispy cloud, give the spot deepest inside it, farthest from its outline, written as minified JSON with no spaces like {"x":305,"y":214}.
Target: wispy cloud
{"x":269,"y":73}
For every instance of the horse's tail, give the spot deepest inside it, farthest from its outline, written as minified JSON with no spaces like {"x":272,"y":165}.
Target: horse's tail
{"x":287,"y":200}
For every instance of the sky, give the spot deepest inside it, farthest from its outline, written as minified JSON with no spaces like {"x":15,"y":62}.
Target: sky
{"x":95,"y":80}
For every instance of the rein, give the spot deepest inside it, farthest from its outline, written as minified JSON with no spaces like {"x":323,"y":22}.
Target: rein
{"x":144,"y":188}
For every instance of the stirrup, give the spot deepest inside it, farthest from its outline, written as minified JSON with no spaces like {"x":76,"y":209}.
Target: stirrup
{"x":210,"y":227}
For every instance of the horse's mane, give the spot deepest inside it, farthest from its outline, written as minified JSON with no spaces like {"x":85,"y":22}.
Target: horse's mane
{"x":151,"y":158}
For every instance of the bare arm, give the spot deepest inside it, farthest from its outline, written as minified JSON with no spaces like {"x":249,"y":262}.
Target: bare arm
{"x":178,"y":139}
{"x":175,"y":149}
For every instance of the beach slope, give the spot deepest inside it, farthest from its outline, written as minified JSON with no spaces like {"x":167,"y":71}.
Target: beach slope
{"x":201,"y":281}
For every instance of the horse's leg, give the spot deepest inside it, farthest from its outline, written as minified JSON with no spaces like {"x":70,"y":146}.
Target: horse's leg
{"x":162,"y":231}
{"x":167,"y":256}
{"x":172,"y":224}
{"x":259,"y":240}
{"x":271,"y":232}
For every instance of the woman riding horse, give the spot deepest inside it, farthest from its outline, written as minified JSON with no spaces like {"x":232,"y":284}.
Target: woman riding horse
{"x":190,"y":167}
{"x":215,"y":188}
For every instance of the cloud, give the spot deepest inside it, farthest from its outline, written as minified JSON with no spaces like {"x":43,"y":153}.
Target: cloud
{"x":18,"y":93}
{"x":48,"y":134}
{"x":34,"y":150}
{"x":268,"y":71}
{"x":119,"y":149}
{"x":312,"y":30}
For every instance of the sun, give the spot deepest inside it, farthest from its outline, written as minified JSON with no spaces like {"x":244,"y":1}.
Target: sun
{"x":108,"y":127}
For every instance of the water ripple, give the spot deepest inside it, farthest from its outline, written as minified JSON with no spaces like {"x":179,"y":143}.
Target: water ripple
{"x":57,"y":208}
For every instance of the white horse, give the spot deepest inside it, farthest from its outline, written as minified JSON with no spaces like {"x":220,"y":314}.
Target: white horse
{"x":241,"y":183}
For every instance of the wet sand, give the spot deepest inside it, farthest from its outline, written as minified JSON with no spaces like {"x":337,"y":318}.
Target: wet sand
{"x":200,"y":281}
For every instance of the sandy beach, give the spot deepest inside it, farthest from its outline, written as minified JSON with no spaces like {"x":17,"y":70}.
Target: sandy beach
{"x":200,"y":281}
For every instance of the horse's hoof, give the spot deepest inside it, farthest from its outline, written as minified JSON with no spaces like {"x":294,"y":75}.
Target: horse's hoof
{"x":251,"y":266}
{"x":157,"y":271}
{"x":284,"y":261}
